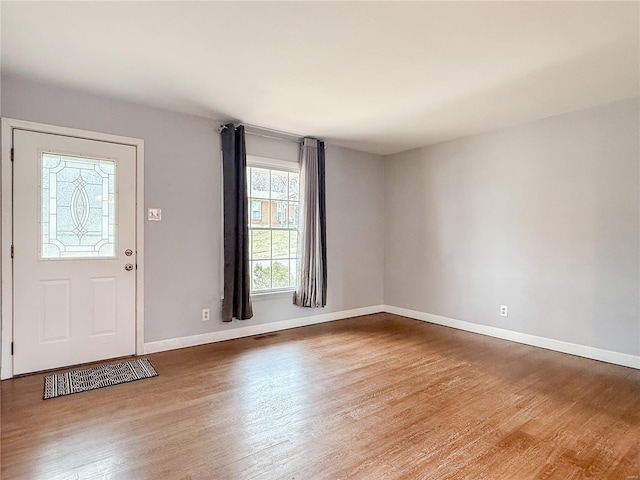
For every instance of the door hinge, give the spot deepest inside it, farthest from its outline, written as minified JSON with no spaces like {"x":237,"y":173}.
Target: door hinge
{"x":12,"y":154}
{"x":12,"y":251}
{"x":11,"y":348}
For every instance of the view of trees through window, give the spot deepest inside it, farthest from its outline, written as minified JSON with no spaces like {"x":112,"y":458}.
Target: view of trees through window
{"x":273,"y":227}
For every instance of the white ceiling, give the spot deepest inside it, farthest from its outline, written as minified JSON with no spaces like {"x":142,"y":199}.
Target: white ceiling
{"x":375,"y":76}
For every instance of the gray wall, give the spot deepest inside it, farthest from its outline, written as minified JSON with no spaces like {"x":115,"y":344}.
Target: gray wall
{"x":182,"y":176}
{"x":543,"y":218}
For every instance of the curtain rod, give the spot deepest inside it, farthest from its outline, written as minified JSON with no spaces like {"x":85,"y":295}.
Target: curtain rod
{"x":255,"y":134}
{"x":282,"y":136}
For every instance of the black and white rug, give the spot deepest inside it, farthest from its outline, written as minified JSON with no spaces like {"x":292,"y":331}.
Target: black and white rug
{"x":76,"y":381}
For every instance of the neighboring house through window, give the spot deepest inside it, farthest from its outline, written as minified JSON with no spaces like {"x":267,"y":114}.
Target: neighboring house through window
{"x":256,"y":210}
{"x":274,"y":196}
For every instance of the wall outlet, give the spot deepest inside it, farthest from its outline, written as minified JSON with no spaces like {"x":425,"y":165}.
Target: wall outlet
{"x":206,"y":314}
{"x":504,"y":311}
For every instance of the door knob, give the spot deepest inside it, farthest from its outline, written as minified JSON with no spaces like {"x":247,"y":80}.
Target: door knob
{"x":128,"y":267}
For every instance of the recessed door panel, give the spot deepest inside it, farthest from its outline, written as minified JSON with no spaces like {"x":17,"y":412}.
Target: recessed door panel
{"x":105,"y":300}
{"x":54,"y":310}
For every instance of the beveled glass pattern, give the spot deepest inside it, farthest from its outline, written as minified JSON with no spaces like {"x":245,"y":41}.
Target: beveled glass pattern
{"x":77,"y":208}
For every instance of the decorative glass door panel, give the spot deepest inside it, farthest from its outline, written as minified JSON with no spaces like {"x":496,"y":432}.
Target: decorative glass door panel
{"x":78,"y":210}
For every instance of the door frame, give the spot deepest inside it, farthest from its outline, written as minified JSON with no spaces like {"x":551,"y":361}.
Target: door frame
{"x":6,"y":232}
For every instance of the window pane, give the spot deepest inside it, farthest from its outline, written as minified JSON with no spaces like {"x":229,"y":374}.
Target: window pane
{"x":279,"y":214}
{"x":294,"y":244}
{"x":293,"y":272}
{"x":259,"y":216}
{"x":294,"y":213}
{"x":280,"y":244}
{"x":77,"y":214}
{"x":261,"y":275}
{"x":260,"y":244}
{"x":294,"y":186}
{"x":281,"y":274}
{"x":279,"y":185}
{"x":256,"y":210}
{"x":259,"y":183}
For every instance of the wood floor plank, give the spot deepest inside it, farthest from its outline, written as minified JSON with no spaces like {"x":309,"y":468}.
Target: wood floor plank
{"x":374,"y":397}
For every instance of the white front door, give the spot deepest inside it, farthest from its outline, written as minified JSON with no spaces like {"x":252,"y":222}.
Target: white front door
{"x":74,"y":237}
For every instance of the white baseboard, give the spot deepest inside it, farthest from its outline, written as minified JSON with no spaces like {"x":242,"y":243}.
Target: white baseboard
{"x":249,"y":330}
{"x":593,"y":353}
{"x":608,"y":356}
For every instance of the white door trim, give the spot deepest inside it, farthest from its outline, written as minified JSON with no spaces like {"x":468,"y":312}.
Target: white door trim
{"x":6,"y":264}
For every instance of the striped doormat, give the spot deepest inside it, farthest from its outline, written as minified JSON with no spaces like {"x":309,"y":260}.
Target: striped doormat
{"x":76,"y":381}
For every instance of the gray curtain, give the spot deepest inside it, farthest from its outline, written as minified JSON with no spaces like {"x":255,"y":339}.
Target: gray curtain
{"x":312,"y":244}
{"x":236,"y":302}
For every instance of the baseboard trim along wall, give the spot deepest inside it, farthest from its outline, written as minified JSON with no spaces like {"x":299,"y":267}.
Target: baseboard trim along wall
{"x":593,"y":353}
{"x":249,"y":330}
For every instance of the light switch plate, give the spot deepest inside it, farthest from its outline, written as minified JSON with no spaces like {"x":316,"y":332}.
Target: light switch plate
{"x":155,"y":215}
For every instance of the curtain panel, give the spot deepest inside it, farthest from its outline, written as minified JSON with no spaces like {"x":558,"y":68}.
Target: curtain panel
{"x":236,"y":302}
{"x":312,"y":264}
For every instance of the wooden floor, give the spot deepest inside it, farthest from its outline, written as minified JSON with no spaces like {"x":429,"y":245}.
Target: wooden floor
{"x":375,"y":397}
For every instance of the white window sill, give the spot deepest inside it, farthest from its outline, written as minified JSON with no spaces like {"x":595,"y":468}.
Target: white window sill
{"x":275,"y":295}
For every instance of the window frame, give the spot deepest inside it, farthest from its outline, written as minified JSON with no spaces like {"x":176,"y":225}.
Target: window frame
{"x":282,"y":166}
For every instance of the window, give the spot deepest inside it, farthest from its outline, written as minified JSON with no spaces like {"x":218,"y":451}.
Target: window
{"x":256,"y":210}
{"x":78,"y":211}
{"x":274,"y":195}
